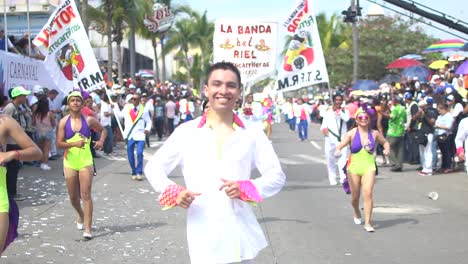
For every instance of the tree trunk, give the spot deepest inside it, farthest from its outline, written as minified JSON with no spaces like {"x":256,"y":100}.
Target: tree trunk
{"x":119,"y":62}
{"x":157,"y":77}
{"x":84,"y":15}
{"x":163,"y":58}
{"x":109,"y":40}
{"x":189,"y":67}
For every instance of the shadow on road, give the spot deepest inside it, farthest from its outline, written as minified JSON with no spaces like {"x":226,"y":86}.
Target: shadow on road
{"x":275,"y":219}
{"x":303,"y":187}
{"x":103,"y":231}
{"x":392,"y":222}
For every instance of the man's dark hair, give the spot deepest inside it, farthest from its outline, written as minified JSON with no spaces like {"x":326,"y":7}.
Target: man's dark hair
{"x":224,"y":66}
{"x":337,"y":95}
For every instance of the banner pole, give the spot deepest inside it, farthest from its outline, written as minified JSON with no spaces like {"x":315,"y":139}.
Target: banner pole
{"x":113,"y":112}
{"x":29,"y":27}
{"x":5,"y":25}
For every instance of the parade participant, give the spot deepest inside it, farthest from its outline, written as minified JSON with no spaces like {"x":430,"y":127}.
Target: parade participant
{"x":267,"y":115}
{"x":302,"y":119}
{"x":137,"y":126}
{"x":334,"y":128}
{"x":361,"y":168}
{"x":27,"y":151}
{"x":74,"y":136}
{"x":288,"y":111}
{"x":461,"y":140}
{"x":221,"y":225}
{"x":252,"y":112}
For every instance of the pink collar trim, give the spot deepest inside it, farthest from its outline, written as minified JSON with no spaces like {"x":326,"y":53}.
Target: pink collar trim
{"x":236,"y":121}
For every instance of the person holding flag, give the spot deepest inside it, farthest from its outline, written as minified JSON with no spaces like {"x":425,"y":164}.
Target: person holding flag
{"x":137,"y":125}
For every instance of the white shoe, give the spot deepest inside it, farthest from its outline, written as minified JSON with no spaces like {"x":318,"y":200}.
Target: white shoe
{"x":333,"y":183}
{"x":357,"y":221}
{"x":87,"y":236}
{"x":79,"y":226}
{"x":369,"y":228}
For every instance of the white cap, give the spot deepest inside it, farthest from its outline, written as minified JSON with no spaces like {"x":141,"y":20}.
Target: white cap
{"x":131,"y":86}
{"x":116,"y":86}
{"x":128,"y":98}
{"x":38,"y":89}
{"x":434,"y":77}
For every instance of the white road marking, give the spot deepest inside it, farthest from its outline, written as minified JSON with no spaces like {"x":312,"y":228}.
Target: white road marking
{"x":311,"y":158}
{"x":317,"y":146}
{"x":301,"y":159}
{"x":290,"y":161}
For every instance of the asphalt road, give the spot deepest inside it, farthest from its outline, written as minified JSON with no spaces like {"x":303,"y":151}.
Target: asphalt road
{"x":307,"y":222}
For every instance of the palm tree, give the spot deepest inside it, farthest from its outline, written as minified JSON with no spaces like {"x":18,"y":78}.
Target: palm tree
{"x":194,"y":31}
{"x":84,"y":14}
{"x":330,"y":31}
{"x":181,"y":38}
{"x":114,"y":16}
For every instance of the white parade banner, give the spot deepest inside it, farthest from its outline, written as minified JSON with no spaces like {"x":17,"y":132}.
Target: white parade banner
{"x":69,"y":57}
{"x":19,"y":70}
{"x":304,"y":63}
{"x":250,"y":45}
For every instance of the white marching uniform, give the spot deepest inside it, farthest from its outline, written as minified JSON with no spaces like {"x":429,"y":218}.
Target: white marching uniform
{"x":461,"y":139}
{"x":337,"y":128}
{"x":219,"y":229}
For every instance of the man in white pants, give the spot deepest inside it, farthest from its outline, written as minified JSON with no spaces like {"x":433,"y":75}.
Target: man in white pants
{"x":334,"y":128}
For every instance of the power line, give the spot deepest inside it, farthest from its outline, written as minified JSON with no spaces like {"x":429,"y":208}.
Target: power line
{"x":418,"y":20}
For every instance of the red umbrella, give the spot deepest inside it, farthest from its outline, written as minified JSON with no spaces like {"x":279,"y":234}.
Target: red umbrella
{"x":403,"y":63}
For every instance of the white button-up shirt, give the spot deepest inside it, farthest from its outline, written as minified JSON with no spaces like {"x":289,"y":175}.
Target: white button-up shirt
{"x":144,"y":123}
{"x":219,"y":229}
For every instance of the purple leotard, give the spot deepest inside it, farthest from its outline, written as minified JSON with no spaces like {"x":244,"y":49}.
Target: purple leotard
{"x":84,"y":131}
{"x":356,"y":146}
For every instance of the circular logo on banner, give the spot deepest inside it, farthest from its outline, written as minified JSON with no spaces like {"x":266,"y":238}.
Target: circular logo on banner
{"x":160,"y":20}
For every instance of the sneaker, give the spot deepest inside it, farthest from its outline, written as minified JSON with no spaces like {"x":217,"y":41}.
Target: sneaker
{"x":369,"y":228}
{"x":87,"y":236}
{"x":134,"y":177}
{"x":357,"y":221}
{"x":79,"y":226}
{"x":394,"y":169}
{"x":333,"y":183}
{"x":139,"y":177}
{"x":422,"y":173}
{"x":18,"y":197}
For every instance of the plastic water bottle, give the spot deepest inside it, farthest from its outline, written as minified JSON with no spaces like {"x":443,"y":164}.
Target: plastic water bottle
{"x":433,"y":195}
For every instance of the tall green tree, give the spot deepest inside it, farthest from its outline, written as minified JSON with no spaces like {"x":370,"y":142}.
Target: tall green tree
{"x":114,"y":17}
{"x":192,"y":30}
{"x":381,"y":40}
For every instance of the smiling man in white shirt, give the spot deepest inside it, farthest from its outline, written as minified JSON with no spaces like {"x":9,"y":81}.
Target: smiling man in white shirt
{"x":221,"y":224}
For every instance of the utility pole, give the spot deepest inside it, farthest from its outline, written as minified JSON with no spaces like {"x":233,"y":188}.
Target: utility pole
{"x":355,"y":42}
{"x":351,"y":16}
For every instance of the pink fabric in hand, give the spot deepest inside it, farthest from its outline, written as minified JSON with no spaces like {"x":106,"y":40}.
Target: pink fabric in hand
{"x":169,"y":197}
{"x":248,"y":192}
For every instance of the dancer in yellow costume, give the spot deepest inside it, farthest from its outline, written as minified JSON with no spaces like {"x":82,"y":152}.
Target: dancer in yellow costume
{"x":11,"y":130}
{"x":361,"y":165}
{"x":74,"y":135}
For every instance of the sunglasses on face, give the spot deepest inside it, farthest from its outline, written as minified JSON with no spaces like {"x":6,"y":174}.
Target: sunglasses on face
{"x":363,"y":117}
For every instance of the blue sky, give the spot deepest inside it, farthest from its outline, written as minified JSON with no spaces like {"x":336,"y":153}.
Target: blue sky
{"x":276,"y":10}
